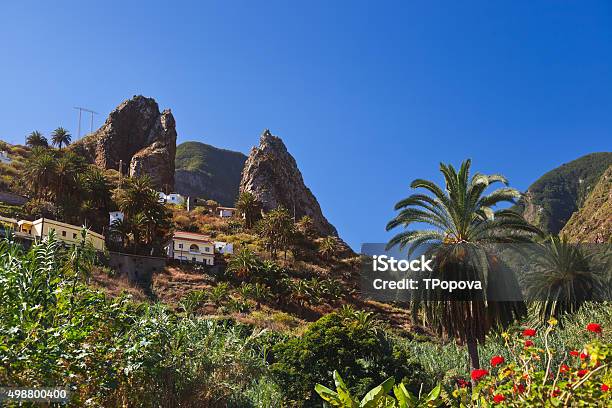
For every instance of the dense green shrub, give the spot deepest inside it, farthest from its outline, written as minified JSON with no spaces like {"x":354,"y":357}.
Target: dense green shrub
{"x":363,"y":353}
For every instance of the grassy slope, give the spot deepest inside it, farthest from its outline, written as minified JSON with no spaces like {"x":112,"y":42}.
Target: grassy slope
{"x":208,"y":172}
{"x":555,"y":196}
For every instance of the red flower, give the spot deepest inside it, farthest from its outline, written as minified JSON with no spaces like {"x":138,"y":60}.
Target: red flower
{"x":528,"y":343}
{"x":478,"y":374}
{"x":564,"y":368}
{"x":604,"y":387}
{"x":594,"y":327}
{"x":519,"y":388}
{"x":497,"y":360}
{"x":556,"y":392}
{"x":498,"y":398}
{"x":529,"y":332}
{"x":574,"y":353}
{"x":583,"y":356}
{"x":462,"y":383}
{"x":582,"y":373}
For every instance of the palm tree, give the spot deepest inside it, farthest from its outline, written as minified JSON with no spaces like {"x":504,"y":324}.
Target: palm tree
{"x":462,"y":219}
{"x":97,"y":187}
{"x":36,"y":139}
{"x":65,"y":171}
{"x":328,"y":247}
{"x":305,"y":226}
{"x":40,"y":172}
{"x":136,"y":196}
{"x":248,"y":205}
{"x":121,"y":229}
{"x":244,"y":263}
{"x":60,"y":137}
{"x":563,"y":277}
{"x":277,"y":229}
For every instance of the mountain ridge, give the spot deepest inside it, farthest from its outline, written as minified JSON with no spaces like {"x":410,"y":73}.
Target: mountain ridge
{"x":551,"y":200}
{"x":206,"y":171}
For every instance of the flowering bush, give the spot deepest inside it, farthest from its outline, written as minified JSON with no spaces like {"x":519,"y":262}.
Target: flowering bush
{"x":532,"y":378}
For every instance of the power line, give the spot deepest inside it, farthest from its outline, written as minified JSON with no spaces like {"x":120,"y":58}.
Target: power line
{"x":81,"y":110}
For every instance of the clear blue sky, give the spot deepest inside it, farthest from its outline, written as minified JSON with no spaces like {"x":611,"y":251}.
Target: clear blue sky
{"x":366,"y":95}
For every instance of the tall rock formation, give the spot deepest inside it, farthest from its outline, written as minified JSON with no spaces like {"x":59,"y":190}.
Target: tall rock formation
{"x":271,"y":174}
{"x":137,"y":134}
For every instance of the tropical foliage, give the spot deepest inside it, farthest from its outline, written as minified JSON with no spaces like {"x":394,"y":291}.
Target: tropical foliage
{"x":248,"y":205}
{"x":564,"y":276}
{"x":147,"y":223}
{"x":36,"y":139}
{"x":56,"y":330}
{"x":462,"y":218}
{"x":61,"y":137}
{"x":277,"y":230}
{"x":365,"y":355}
{"x":71,"y":189}
{"x":378,"y":397}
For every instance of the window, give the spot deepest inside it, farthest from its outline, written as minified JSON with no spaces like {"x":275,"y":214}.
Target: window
{"x":63,"y":233}
{"x":194,"y":248}
{"x":193,"y":259}
{"x":207,"y":249}
{"x":74,"y":235}
{"x":181,"y":246}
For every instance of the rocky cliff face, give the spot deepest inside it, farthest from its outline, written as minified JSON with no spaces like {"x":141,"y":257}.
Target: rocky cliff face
{"x":593,"y":222}
{"x":271,"y":174}
{"x":553,"y":198}
{"x":140,"y":136}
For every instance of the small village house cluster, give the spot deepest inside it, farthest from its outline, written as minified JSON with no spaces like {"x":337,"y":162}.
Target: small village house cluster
{"x":183,"y":246}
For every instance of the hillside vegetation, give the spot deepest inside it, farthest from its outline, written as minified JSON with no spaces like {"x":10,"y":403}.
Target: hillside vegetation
{"x":593,"y":222}
{"x":208,"y":172}
{"x":554,"y":197}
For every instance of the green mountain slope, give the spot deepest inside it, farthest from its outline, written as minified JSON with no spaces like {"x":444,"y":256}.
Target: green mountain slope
{"x":553,"y":198}
{"x":204,"y":171}
{"x":593,"y":222}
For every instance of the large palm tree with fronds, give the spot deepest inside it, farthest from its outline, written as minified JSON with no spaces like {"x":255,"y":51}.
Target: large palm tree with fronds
{"x":563,"y":276}
{"x":61,"y":137}
{"x":136,"y":195}
{"x":36,"y":139}
{"x":462,"y":220}
{"x":40,"y":173}
{"x":248,"y":205}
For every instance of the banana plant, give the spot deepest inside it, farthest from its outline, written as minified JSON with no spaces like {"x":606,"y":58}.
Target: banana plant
{"x":378,"y":397}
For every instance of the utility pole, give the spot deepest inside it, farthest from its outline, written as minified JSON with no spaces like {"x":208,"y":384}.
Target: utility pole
{"x":81,"y":110}
{"x":120,"y":171}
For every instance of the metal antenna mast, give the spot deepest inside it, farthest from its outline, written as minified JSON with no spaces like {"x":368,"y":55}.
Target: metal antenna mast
{"x":81,"y":110}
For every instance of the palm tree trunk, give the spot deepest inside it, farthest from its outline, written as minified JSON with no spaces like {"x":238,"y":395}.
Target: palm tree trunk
{"x":472,"y":347}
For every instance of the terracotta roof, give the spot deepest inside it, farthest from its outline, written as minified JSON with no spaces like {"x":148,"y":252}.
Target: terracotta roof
{"x":192,"y":236}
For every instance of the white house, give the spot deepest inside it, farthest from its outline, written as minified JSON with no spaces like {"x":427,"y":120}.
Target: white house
{"x":172,"y":198}
{"x":191,"y":247}
{"x":4,"y":157}
{"x":114,"y":216}
{"x":224,"y":247}
{"x":226,"y":212}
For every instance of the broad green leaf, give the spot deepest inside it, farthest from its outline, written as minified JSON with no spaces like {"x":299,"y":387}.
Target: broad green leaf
{"x":375,"y":395}
{"x":433,"y":394}
{"x":328,"y":395}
